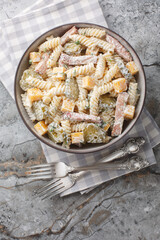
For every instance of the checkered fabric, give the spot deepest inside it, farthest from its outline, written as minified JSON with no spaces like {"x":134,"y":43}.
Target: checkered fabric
{"x":18,"y":33}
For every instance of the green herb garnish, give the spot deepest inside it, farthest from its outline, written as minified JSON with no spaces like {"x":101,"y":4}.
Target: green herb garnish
{"x":77,"y":42}
{"x":45,"y":50}
{"x":30,"y":61}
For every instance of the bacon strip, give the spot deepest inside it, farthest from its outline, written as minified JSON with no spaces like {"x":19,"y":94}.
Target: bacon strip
{"x":119,"y":48}
{"x":119,"y":113}
{"x":65,"y":37}
{"x":79,"y":117}
{"x":42,"y":65}
{"x":78,"y":60}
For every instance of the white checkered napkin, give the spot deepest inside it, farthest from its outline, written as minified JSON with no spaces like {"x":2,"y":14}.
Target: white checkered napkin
{"x":7,"y":71}
{"x":21,"y":31}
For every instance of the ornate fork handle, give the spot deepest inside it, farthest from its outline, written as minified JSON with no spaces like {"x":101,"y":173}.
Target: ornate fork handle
{"x":134,"y":163}
{"x":131,"y":146}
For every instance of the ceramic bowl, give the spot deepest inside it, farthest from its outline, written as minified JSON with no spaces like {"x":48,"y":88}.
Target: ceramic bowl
{"x":24,"y":64}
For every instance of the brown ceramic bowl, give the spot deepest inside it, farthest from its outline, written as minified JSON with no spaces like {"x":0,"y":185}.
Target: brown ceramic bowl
{"x":24,"y":64}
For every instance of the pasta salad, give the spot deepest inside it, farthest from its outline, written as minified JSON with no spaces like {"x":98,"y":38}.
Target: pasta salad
{"x":80,"y":87}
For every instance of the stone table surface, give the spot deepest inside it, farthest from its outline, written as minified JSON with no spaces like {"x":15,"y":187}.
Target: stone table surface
{"x":127,"y":208}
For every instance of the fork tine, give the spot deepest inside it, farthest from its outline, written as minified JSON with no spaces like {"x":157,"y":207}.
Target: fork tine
{"x":40,"y":173}
{"x":55,"y":192}
{"x":39,"y":170}
{"x":42,"y":165}
{"x":40,"y":178}
{"x":48,"y":189}
{"x":47,"y":185}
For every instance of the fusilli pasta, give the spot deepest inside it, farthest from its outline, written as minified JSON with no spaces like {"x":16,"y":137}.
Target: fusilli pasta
{"x":100,"y":68}
{"x":76,"y":93}
{"x":49,"y":44}
{"x":91,"y":32}
{"x":54,"y":57}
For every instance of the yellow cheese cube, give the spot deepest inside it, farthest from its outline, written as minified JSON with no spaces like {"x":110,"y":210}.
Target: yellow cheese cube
{"x":77,"y":137}
{"x":59,"y":73}
{"x":59,"y":70}
{"x":129,"y":112}
{"x":92,"y":51}
{"x":120,"y":85}
{"x":106,"y":127}
{"x":34,"y":94}
{"x":67,"y":106}
{"x":132,"y":67}
{"x":35,"y":57}
{"x":41,"y":127}
{"x":88,"y":83}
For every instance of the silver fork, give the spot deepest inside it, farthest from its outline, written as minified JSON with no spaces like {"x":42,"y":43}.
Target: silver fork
{"x":59,"y":185}
{"x":60,"y":169}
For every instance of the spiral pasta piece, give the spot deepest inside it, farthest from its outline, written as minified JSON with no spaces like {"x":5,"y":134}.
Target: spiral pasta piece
{"x":40,"y":109}
{"x":132,"y":91}
{"x":67,"y":133}
{"x":50,"y":44}
{"x":110,"y":73}
{"x":79,"y":127}
{"x":57,"y":118}
{"x":106,"y":88}
{"x":54,"y":57}
{"x":109,"y":59}
{"x":29,"y":110}
{"x":107,"y":47}
{"x":82,"y":105}
{"x":91,"y":32}
{"x":54,"y":105}
{"x":80,"y":70}
{"x":100,"y":68}
{"x":82,"y":91}
{"x":94,"y":101}
{"x":83,"y":40}
{"x":37,"y":83}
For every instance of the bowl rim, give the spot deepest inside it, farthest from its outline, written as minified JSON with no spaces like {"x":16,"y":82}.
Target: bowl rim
{"x":95,"y":148}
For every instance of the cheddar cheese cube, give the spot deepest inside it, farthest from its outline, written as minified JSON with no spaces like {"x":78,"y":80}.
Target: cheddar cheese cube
{"x":34,"y":94}
{"x":41,"y":127}
{"x":132,"y":67}
{"x":106,"y":127}
{"x":67,"y":106}
{"x":59,"y":73}
{"x":59,"y":70}
{"x":120,"y":85}
{"x":129,"y":112}
{"x":92,"y":51}
{"x":77,"y":137}
{"x":35,"y":57}
{"x":88,"y":83}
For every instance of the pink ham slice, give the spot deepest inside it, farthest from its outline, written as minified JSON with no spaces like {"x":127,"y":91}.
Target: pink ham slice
{"x":119,"y":113}
{"x":65,"y":37}
{"x":42,"y":65}
{"x":78,"y":60}
{"x":119,"y":48}
{"x":64,"y":59}
{"x":79,"y":117}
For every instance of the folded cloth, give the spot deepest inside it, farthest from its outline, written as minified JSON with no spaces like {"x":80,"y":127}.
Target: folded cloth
{"x":17,"y":34}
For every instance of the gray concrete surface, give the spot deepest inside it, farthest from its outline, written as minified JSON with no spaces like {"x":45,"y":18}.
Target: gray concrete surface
{"x":125,"y":209}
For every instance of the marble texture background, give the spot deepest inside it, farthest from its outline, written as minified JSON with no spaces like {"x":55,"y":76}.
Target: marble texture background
{"x":127,"y":208}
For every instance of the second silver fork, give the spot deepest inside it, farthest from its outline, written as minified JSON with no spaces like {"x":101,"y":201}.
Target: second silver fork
{"x":59,"y":185}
